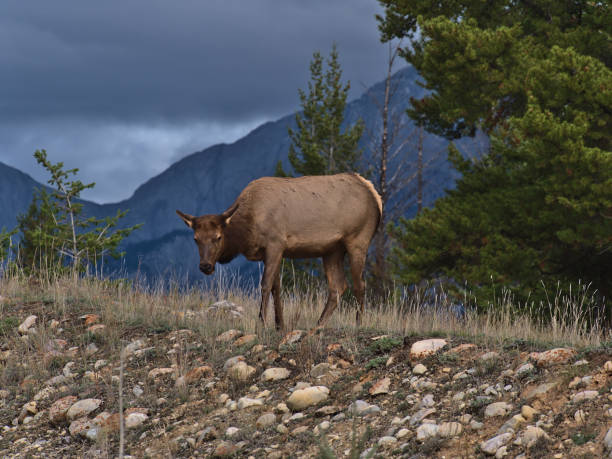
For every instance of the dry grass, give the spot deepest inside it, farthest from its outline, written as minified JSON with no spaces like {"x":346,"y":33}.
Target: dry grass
{"x":125,"y":308}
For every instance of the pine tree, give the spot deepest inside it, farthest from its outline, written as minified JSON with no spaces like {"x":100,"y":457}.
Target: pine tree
{"x":535,"y":76}
{"x":40,"y":235}
{"x":54,"y":232}
{"x":318,"y":145}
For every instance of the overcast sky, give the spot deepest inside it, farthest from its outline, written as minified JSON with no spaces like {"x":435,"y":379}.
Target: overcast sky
{"x":122,"y":89}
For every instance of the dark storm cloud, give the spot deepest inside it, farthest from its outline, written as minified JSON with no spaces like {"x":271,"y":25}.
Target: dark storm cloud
{"x":222,"y":60}
{"x":121,"y":89}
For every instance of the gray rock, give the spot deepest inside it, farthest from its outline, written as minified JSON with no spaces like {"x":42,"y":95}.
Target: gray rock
{"x":309,"y":396}
{"x":275,"y":374}
{"x":83,"y":408}
{"x":425,"y":431}
{"x":497,"y":409}
{"x":491,"y":445}
{"x":265,"y":420}
{"x":362,"y":408}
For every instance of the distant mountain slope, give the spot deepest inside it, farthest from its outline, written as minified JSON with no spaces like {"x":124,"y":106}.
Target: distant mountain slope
{"x":208,"y":181}
{"x":16,"y":192}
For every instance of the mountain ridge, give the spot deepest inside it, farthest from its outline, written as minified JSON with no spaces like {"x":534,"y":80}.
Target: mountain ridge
{"x":208,"y":181}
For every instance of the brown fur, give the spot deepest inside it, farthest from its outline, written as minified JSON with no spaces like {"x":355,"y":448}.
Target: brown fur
{"x":305,"y":217}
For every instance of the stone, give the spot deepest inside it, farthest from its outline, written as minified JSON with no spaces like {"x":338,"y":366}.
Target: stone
{"x":423,"y":348}
{"x":275,"y":374}
{"x":608,"y":440}
{"x":96,"y":329}
{"x":386,"y":441}
{"x":93,"y":433}
{"x":475,"y":425}
{"x":281,"y":429}
{"x":320,"y":370}
{"x":207,"y":434}
{"x":327,"y":410}
{"x":525,"y":369}
{"x":44,"y":394}
{"x":27,"y":410}
{"x":580,"y":417}
{"x":491,"y":445}
{"x":246,"y":402}
{"x":292,"y":337}
{"x":528,"y":412}
{"x":58,"y":410}
{"x":497,"y":409}
{"x":512,"y":424}
{"x":27,"y":324}
{"x":402,"y":433}
{"x":231,"y":431}
{"x":608,"y":366}
{"x":135,"y":420}
{"x":107,"y":421}
{"x":226,"y":308}
{"x":450,"y":429}
{"x":67,"y":370}
{"x":419,"y":369}
{"x":362,"y":408}
{"x":228,"y":336}
{"x":91,"y":349}
{"x":281,"y":408}
{"x":420,"y":415}
{"x":225,"y":449}
{"x":229,"y":363}
{"x":425,"y":431}
{"x":530,"y":436}
{"x":427,"y":401}
{"x":557,"y":356}
{"x":241,"y":372}
{"x":246,"y":340}
{"x":303,"y":398}
{"x":489,"y":356}
{"x":265,"y":420}
{"x":198,"y":373}
{"x":322,"y":427}
{"x":538,"y":391}
{"x":157,"y":372}
{"x":463,"y":348}
{"x":134,"y":346}
{"x":299,"y":430}
{"x":584,"y":395}
{"x":83,"y":408}
{"x":80,"y":426}
{"x":380,"y":387}
{"x":90,"y":319}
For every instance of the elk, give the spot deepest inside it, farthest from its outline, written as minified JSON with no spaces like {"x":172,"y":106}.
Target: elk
{"x":306,"y":217}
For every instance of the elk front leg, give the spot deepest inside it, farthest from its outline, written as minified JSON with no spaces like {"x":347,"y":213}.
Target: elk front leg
{"x":278,"y":306}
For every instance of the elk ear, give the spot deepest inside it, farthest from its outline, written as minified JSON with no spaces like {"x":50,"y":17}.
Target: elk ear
{"x":188,"y":219}
{"x":227,"y":215}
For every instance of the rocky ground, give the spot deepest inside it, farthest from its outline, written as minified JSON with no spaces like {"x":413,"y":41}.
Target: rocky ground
{"x":328,"y":395}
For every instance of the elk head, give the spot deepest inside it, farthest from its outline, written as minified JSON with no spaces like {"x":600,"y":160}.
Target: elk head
{"x":209,"y":235}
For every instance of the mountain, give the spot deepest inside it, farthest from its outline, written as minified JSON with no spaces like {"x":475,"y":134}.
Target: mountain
{"x":16,"y":192}
{"x":208,"y":181}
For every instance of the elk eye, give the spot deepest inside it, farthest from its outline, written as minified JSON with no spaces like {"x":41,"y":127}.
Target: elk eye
{"x":218,"y":238}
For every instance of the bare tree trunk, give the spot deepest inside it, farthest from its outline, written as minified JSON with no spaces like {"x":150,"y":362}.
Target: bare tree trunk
{"x":420,"y":172}
{"x":380,"y":269}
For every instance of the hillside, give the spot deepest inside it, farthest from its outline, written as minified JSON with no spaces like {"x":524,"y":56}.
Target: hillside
{"x":208,"y":181}
{"x":201,"y":379}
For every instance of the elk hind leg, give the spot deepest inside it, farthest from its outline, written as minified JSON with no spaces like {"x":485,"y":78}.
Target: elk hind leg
{"x":357,"y":258}
{"x":272,"y":263}
{"x":336,"y":282}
